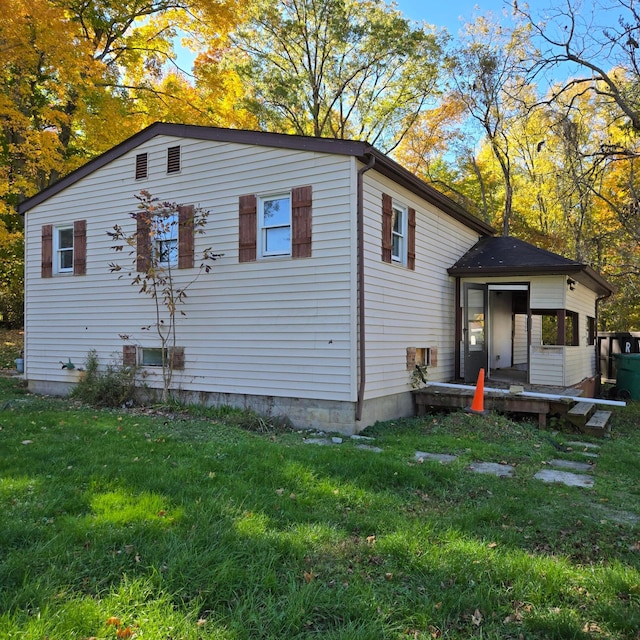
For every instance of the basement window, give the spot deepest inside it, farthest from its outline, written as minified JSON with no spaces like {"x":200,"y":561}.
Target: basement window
{"x":151,"y":357}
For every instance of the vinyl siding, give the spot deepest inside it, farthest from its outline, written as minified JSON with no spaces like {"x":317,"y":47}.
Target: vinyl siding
{"x":409,"y":308}
{"x":277,"y":327}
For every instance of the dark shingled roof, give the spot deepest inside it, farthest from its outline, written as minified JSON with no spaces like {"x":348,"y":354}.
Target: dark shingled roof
{"x":507,"y":256}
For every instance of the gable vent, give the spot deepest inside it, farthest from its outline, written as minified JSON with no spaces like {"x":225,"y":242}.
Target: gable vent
{"x":141,"y":166}
{"x":173,"y":159}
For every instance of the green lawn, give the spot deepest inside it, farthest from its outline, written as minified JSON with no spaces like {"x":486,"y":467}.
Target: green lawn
{"x":185,"y":526}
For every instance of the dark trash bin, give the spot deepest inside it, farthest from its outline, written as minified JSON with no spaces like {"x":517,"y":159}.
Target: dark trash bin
{"x":628,"y":375}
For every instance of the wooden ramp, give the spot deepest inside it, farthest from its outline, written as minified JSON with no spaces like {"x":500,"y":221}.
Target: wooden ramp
{"x":575,"y":414}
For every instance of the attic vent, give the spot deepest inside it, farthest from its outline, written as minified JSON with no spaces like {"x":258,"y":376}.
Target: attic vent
{"x":173,"y":159}
{"x":141,"y":166}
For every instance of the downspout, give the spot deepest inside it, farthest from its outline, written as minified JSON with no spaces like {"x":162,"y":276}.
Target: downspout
{"x":361,"y":297}
{"x":596,"y":342}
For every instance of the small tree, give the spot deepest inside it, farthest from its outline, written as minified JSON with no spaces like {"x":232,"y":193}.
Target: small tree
{"x":155,"y":245}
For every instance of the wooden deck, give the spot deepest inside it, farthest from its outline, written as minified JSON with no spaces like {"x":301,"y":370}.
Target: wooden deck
{"x":430,"y":398}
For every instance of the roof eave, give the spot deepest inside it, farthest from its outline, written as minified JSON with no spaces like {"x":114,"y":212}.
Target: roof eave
{"x":582,"y":273}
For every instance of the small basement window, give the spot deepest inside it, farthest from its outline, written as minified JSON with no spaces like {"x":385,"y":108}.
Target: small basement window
{"x":151,"y":357}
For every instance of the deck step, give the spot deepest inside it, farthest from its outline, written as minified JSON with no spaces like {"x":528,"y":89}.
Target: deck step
{"x":599,"y":420}
{"x":582,"y":409}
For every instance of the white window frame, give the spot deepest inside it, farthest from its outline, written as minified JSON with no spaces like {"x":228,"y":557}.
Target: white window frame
{"x":59,"y":251}
{"x":165,"y":230}
{"x":263,"y":229}
{"x":399,"y":235}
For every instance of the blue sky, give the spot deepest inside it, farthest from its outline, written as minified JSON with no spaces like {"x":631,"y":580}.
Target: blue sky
{"x":453,"y":13}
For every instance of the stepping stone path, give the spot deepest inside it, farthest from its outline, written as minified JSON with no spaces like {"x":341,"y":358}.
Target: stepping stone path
{"x":568,"y":472}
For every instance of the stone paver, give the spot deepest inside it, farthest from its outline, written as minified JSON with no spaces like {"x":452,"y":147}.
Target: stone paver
{"x":493,"y":468}
{"x":583,"y":445}
{"x":444,"y":458}
{"x":583,"y":467}
{"x":368,"y":447}
{"x":565,"y":477}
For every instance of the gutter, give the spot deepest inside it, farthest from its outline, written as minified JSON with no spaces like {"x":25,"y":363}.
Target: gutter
{"x":361,"y":297}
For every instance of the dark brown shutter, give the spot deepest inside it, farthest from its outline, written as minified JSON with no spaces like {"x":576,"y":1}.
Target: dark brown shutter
{"x":173,"y":159}
{"x":248,"y":228}
{"x":143,"y":241}
{"x":176,"y":356}
{"x":47,"y":251}
{"x":411,"y":239}
{"x":79,"y":247}
{"x":141,"y":166}
{"x":185,"y":237}
{"x":301,"y":222}
{"x":387,"y":227}
{"x":129,"y":355}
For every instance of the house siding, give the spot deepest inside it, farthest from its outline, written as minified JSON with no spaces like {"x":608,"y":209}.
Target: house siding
{"x":286,"y":329}
{"x":405,"y":307}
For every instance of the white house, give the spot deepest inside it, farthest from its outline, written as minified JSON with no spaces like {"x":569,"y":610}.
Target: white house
{"x":319,"y":313}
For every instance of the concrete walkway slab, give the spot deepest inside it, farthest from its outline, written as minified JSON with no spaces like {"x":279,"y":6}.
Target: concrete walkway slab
{"x":583,"y":467}
{"x":492,"y":468}
{"x":583,"y":445}
{"x":444,"y":458}
{"x":565,"y":477}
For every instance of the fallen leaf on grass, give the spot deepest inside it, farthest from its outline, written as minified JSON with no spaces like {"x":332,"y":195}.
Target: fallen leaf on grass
{"x":125,"y":632}
{"x":476,"y":618}
{"x":113,"y":621}
{"x":27,"y":442}
{"x":309,"y":576}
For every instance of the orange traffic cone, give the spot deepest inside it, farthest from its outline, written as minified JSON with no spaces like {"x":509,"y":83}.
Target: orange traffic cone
{"x":477,"y":406}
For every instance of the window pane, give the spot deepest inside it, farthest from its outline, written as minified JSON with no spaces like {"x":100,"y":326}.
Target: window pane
{"x":397,"y":247}
{"x":276,"y":212}
{"x":168,"y":251}
{"x":166,"y":227}
{"x":152,"y":357}
{"x":397,"y":220}
{"x":66,"y":259}
{"x":65,"y":238}
{"x":277,"y":240}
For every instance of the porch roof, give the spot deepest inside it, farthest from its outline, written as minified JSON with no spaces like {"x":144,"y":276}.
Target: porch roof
{"x":507,"y":256}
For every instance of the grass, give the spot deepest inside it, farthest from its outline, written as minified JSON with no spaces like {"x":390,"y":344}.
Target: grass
{"x":186,"y":526}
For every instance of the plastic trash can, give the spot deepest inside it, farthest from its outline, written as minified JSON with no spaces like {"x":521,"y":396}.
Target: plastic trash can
{"x":628,"y":375}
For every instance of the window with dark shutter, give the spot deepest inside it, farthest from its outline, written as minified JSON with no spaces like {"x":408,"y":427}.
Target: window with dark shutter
{"x":79,"y":247}
{"x":47,"y":251}
{"x":301,"y":222}
{"x":387,"y":227}
{"x":185,"y":237}
{"x":173,"y":159}
{"x":248,"y":221}
{"x":143,"y":242}
{"x":141,"y":166}
{"x":411,"y":239}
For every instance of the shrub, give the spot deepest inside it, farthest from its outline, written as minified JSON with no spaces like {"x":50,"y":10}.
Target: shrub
{"x":113,"y":386}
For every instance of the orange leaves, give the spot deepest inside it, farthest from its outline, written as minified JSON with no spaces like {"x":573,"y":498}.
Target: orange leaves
{"x":121,"y":630}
